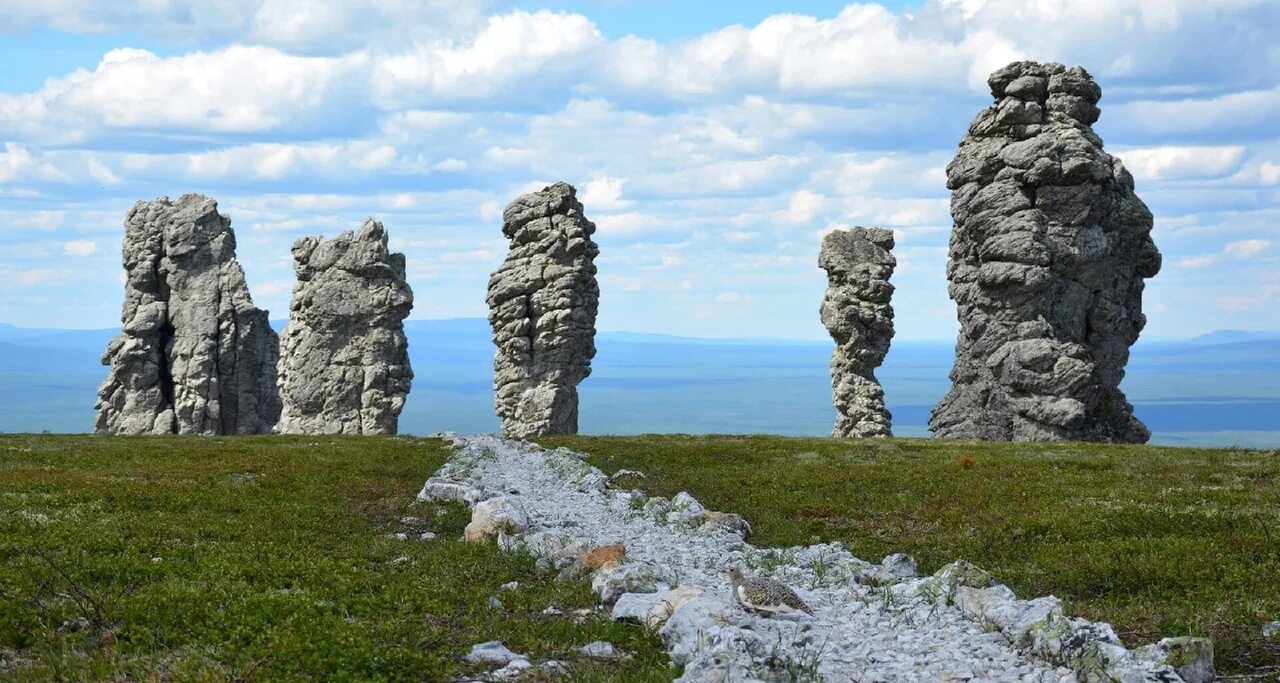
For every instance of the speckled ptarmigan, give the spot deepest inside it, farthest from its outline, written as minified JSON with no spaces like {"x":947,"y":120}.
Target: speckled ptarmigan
{"x":765,"y":596}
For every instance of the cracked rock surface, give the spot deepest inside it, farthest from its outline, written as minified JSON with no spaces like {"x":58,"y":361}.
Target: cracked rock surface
{"x":871,"y":622}
{"x":1047,"y":261}
{"x":857,"y":313}
{"x":195,"y":356}
{"x":542,"y":308}
{"x":344,"y":357}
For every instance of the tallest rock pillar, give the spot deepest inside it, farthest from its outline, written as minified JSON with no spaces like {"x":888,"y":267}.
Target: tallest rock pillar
{"x":1046,"y":266}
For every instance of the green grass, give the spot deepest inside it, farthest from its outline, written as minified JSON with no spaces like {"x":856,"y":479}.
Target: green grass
{"x":262,"y":558}
{"x":1157,"y":541}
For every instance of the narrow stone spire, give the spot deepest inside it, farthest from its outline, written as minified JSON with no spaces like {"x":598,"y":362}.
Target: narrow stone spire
{"x":542,"y":307}
{"x":857,"y":313}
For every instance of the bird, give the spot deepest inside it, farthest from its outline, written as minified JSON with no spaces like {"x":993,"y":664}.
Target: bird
{"x":765,"y":596}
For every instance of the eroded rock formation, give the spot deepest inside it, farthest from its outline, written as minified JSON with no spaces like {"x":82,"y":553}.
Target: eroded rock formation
{"x":1047,"y":261}
{"x":344,"y":357}
{"x":857,"y":314}
{"x":542,"y":307}
{"x":195,"y":355}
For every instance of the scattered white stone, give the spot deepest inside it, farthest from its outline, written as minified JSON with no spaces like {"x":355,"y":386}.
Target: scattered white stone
{"x":653,"y":609}
{"x":611,"y":582}
{"x":400,"y":560}
{"x":512,"y":670}
{"x":399,"y":536}
{"x":445,"y":492}
{"x":958,"y":624}
{"x":600,"y":649}
{"x":898,"y":566}
{"x":495,"y":603}
{"x":509,"y":586}
{"x":493,"y":517}
{"x":1271,"y":629}
{"x":492,"y":652}
{"x":627,"y":473}
{"x":426,"y":536}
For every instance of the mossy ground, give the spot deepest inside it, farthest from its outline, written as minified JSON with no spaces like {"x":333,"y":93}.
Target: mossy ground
{"x":262,"y":558}
{"x":1157,"y":541}
{"x":274,"y":561}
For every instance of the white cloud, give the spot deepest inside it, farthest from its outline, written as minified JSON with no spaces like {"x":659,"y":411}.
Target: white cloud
{"x":622,"y":224}
{"x":1246,"y":249}
{"x":450,"y":165}
{"x":604,"y":193}
{"x":803,"y":206}
{"x":80,"y":248}
{"x":202,"y":91}
{"x":1175,"y":163}
{"x":316,"y":26}
{"x":511,"y":47}
{"x":730,"y":298}
{"x":13,"y":160}
{"x":1201,"y":261}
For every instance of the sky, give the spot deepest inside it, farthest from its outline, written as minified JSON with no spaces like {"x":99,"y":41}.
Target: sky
{"x":713,"y":143}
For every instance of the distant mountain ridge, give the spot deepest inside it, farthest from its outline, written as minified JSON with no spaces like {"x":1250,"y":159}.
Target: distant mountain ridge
{"x":1222,"y":388}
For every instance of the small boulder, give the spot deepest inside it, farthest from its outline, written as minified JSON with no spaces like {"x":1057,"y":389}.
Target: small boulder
{"x":727,"y":520}
{"x":492,"y":652}
{"x":600,"y":649}
{"x":495,"y":516}
{"x":636,"y":577}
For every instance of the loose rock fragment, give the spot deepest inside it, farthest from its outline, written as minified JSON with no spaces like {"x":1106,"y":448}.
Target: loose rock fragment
{"x":1047,"y":261}
{"x":542,"y":308}
{"x":344,"y":365}
{"x":195,"y":356}
{"x":857,"y":313}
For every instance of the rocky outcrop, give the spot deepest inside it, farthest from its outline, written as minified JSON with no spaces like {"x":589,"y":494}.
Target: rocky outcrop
{"x":1047,"y":261}
{"x":344,"y":358}
{"x":857,"y":314}
{"x":195,"y":355}
{"x":542,"y":307}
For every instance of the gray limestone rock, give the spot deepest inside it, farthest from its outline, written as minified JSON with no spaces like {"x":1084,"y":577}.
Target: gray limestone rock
{"x":195,"y":356}
{"x":1047,"y":261}
{"x":857,"y":314}
{"x":344,"y":357}
{"x":542,"y":307}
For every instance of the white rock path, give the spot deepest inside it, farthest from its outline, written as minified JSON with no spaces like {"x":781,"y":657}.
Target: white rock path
{"x":870,"y":623}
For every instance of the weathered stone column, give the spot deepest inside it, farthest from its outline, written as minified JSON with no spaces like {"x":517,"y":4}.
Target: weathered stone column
{"x":344,"y":357}
{"x":542,"y":307}
{"x":1047,"y":261}
{"x":195,"y":356}
{"x":857,"y":313}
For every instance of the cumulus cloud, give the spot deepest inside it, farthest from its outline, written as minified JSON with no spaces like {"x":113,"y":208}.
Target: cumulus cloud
{"x":1174,"y":163}
{"x":1247,"y":249}
{"x":803,"y":206}
{"x":80,"y":248}
{"x":314,"y":26}
{"x":604,"y":193}
{"x":201,"y":91}
{"x":511,"y":47}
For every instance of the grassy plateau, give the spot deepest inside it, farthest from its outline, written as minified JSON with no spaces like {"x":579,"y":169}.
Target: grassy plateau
{"x":1157,"y":541}
{"x":263,"y":558}
{"x":274,"y":558}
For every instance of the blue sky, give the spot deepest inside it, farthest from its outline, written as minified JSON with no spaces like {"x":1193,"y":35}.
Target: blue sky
{"x":712,"y":142}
